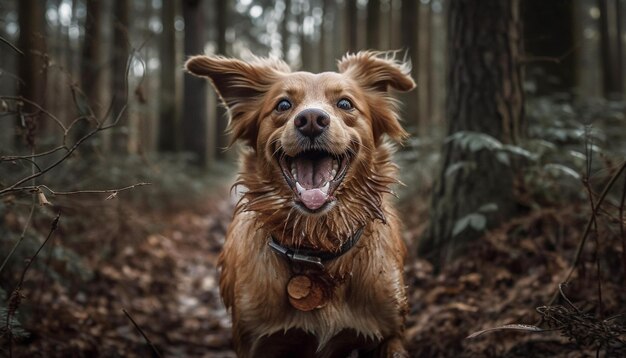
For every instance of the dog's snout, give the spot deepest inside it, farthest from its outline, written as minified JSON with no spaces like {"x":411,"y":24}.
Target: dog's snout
{"x":312,"y":122}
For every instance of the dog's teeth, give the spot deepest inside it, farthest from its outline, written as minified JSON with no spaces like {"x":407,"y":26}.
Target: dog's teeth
{"x":299,"y":188}
{"x":335,"y":166}
{"x":294,"y":173}
{"x":324,"y":189}
{"x":333,"y":173}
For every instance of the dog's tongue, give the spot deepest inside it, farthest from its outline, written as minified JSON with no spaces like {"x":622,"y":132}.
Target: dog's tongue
{"x":312,"y":183}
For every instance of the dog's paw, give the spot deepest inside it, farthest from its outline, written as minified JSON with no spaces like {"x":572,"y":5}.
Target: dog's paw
{"x":397,"y":351}
{"x":402,"y":354}
{"x":393,"y":348}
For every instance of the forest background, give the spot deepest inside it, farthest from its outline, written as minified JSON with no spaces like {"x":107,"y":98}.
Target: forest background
{"x":115,"y":177}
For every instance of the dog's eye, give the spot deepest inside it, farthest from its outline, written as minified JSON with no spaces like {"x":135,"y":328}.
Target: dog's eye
{"x":283,"y":105}
{"x":345,"y":104}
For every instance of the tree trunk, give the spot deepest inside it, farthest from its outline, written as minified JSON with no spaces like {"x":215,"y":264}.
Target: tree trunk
{"x":194,"y":123}
{"x":284,"y":28}
{"x":351,"y":25}
{"x":306,"y":50}
{"x":121,"y":52}
{"x":221,"y":120}
{"x":425,"y":71}
{"x":409,"y":26}
{"x":373,"y":24}
{"x":326,"y":25}
{"x":91,"y":71}
{"x":611,"y":48}
{"x":168,"y":109}
{"x":484,"y":95}
{"x":31,"y":68}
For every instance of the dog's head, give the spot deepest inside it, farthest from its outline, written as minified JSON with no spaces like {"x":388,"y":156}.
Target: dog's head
{"x":313,"y":135}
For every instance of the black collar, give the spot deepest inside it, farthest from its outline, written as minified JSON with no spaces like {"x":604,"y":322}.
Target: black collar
{"x":315,"y":257}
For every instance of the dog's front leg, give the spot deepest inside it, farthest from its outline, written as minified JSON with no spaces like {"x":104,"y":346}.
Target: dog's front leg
{"x":391,"y":348}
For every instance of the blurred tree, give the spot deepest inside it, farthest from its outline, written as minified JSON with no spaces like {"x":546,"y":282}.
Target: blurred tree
{"x":306,"y":45}
{"x":409,"y":38}
{"x":221,"y":121}
{"x":484,"y":97}
{"x":90,"y":70}
{"x":424,"y":70}
{"x":324,"y":52}
{"x":168,"y":109}
{"x":121,"y":53}
{"x":611,"y":45}
{"x":351,"y":25}
{"x":194,"y":123}
{"x":373,"y":24}
{"x":31,"y":67}
{"x":284,"y":28}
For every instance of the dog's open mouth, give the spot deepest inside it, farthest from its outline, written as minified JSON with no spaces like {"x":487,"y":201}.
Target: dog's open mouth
{"x":313,"y":175}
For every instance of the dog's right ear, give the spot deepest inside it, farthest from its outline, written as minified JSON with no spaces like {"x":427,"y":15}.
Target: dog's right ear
{"x":240,"y":85}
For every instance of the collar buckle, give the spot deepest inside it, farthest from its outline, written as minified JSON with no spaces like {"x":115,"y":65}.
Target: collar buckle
{"x":294,"y":256}
{"x":308,"y":257}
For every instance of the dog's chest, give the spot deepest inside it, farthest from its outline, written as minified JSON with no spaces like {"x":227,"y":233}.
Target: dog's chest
{"x":366,"y":301}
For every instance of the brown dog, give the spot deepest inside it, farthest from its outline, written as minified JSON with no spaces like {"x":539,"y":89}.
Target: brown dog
{"x":313,"y":260}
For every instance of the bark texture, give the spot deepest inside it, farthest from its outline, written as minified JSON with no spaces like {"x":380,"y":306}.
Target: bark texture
{"x":121,"y":52}
{"x":485,"y":95}
{"x":169,"y":115}
{"x":31,"y":68}
{"x":194,"y":124}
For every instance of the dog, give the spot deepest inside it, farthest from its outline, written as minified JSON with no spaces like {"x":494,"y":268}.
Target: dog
{"x":312,"y":265}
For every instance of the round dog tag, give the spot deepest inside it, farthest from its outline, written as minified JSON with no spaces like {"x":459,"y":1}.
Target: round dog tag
{"x":305,"y":293}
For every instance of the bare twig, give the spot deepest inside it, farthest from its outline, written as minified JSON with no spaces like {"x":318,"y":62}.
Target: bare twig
{"x":9,"y":158}
{"x":529,"y":58}
{"x":587,"y":185}
{"x":19,"y":241}
{"x":90,"y":191}
{"x":16,"y":295}
{"x":14,"y":187}
{"x":621,"y":228}
{"x":583,"y":239}
{"x":39,"y":108}
{"x":53,"y":227}
{"x":155,"y":351}
{"x":12,"y":46}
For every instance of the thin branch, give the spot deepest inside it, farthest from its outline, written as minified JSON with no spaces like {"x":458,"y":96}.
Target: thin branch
{"x":104,"y":191}
{"x":155,"y":351}
{"x":39,"y":108}
{"x":32,"y":162}
{"x":22,"y":236}
{"x":621,"y":228}
{"x":15,"y":187}
{"x":16,"y":295}
{"x":9,"y":158}
{"x":590,"y":222}
{"x":587,"y":185}
{"x":530,"y":58}
{"x":12,"y":46}
{"x":53,"y":227}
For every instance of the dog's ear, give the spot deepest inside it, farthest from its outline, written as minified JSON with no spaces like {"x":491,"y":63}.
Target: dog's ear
{"x":240,"y":86}
{"x":377,"y":73}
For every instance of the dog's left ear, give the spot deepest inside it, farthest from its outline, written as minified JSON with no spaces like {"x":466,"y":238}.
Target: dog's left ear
{"x":240,"y":85}
{"x":377,"y":73}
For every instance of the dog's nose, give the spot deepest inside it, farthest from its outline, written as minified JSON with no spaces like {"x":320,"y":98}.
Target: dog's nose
{"x":312,"y":122}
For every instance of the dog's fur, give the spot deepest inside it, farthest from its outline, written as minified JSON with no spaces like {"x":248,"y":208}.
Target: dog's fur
{"x":368,"y":303}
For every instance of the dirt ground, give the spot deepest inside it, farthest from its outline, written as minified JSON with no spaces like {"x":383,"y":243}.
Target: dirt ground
{"x":167,"y":282}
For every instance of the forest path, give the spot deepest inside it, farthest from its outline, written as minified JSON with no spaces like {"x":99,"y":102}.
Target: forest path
{"x":193,"y":241}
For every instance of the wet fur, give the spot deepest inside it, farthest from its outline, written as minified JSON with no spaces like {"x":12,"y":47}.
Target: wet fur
{"x":366,"y":311}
